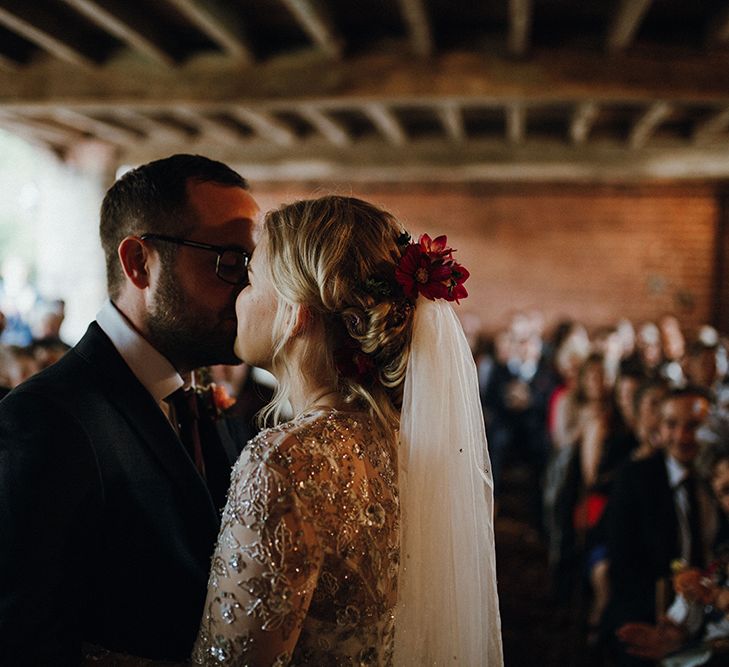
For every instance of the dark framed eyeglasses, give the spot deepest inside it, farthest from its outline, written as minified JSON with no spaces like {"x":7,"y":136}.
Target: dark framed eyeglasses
{"x":231,"y":266}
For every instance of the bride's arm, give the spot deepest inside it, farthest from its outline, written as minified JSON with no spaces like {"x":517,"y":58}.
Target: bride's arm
{"x":264,"y":571}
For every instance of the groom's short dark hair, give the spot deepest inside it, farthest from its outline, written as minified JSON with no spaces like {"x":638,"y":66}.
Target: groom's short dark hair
{"x":153,"y":199}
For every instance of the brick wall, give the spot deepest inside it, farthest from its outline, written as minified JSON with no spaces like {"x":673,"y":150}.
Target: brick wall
{"x":593,"y":253}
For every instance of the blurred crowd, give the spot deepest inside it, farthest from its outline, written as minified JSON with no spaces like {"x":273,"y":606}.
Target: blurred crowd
{"x":30,"y":327}
{"x":610,"y":427}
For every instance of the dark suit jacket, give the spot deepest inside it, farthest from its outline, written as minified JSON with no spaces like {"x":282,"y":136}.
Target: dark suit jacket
{"x":643,"y":539}
{"x":106,"y":528}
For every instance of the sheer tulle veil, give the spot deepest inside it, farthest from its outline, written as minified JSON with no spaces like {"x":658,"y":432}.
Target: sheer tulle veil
{"x":448,"y":610}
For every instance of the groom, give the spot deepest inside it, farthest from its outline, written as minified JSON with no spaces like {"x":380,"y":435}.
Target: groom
{"x":107,"y":519}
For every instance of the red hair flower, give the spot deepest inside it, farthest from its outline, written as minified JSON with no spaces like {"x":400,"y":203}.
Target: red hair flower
{"x":428,"y":268}
{"x":354,"y":364}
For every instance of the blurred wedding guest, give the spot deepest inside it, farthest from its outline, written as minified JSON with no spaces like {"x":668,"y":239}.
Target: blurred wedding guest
{"x":700,"y":367}
{"x":657,"y":513}
{"x":604,"y":445}
{"x":48,"y":352}
{"x":563,"y":424}
{"x":46,"y":320}
{"x":708,"y":335}
{"x":17,"y":299}
{"x":697,"y":621}
{"x":650,"y":348}
{"x":648,"y":399}
{"x":674,"y":348}
{"x":18,"y":364}
{"x":626,"y":385}
{"x":562,"y":412}
{"x":516,"y":401}
{"x":607,"y":343}
{"x":485,"y":360}
{"x":626,"y":336}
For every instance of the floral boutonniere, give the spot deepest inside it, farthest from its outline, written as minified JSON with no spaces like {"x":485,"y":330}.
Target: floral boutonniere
{"x":215,"y":399}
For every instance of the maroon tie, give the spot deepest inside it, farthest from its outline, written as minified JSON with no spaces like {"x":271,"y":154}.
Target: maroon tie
{"x":186,"y":415}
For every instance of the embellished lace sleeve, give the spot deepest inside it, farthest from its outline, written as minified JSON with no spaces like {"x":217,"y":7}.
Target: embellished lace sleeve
{"x":264,"y":570}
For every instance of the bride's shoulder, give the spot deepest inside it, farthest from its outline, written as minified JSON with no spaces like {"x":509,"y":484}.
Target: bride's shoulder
{"x":313,"y":435}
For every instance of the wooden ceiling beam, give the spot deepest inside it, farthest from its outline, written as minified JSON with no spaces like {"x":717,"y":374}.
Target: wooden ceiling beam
{"x":520,"y":26}
{"x":717,"y":32}
{"x":37,"y":130}
{"x":221,"y":23}
{"x":709,"y":129}
{"x":264,"y":125}
{"x":648,"y":123}
{"x":153,"y":128}
{"x":434,"y":160}
{"x":386,"y":123}
{"x":332,"y":131}
{"x":625,"y":24}
{"x":8,"y":64}
{"x":128,"y":26}
{"x":515,"y":123}
{"x":32,"y":23}
{"x":468,"y":78}
{"x":582,"y":121}
{"x":216,"y":130}
{"x":451,"y":117}
{"x":418,"y":25}
{"x":82,"y":122}
{"x":317,"y":25}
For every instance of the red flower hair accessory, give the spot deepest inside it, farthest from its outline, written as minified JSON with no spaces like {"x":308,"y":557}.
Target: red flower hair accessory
{"x":354,"y":364}
{"x":428,"y":268}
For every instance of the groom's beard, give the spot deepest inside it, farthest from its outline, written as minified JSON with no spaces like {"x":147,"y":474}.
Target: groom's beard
{"x":188,"y":339}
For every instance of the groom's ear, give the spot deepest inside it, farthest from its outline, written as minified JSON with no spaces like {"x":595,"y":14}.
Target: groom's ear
{"x":134,"y":260}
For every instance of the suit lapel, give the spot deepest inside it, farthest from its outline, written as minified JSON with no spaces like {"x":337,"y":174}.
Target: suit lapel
{"x":144,"y":417}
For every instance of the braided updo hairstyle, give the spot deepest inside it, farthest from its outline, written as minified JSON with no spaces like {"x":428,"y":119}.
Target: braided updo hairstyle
{"x":336,"y":256}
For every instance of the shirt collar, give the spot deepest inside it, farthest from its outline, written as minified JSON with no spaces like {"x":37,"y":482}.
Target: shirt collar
{"x":151,"y":368}
{"x":677,"y":472}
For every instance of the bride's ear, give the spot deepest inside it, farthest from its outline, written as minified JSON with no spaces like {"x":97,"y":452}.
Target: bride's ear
{"x":134,"y":260}
{"x":302,"y":320}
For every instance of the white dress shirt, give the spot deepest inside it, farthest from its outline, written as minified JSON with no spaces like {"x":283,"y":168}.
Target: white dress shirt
{"x":151,"y":368}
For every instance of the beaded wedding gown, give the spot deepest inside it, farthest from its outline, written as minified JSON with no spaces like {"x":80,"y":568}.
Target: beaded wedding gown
{"x":306,"y":566}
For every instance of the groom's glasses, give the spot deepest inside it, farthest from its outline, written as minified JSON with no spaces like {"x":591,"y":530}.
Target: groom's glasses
{"x":232,"y":264}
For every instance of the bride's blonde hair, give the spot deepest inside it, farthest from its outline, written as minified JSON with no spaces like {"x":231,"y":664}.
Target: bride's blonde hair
{"x":336,"y":257}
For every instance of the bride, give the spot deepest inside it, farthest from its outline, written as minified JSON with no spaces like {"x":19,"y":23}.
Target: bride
{"x":360,"y":532}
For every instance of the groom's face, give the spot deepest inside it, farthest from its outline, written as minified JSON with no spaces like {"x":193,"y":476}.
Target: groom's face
{"x":191,"y":318}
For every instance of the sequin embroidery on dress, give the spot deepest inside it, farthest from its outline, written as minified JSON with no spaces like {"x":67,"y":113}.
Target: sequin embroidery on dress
{"x":305,"y":568}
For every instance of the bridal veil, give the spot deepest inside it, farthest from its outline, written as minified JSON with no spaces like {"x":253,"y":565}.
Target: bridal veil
{"x":448,"y":610}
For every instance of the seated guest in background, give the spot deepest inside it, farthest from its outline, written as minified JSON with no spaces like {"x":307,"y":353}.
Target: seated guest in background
{"x":657,"y":513}
{"x":650,"y":349}
{"x":17,"y":364}
{"x":626,"y":385}
{"x":564,"y":428}
{"x":698,"y":617}
{"x":700,"y":367}
{"x":648,"y":399}
{"x":674,"y":348}
{"x":604,"y":444}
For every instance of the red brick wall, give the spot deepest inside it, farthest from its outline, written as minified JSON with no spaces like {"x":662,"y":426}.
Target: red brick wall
{"x":593,"y":253}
